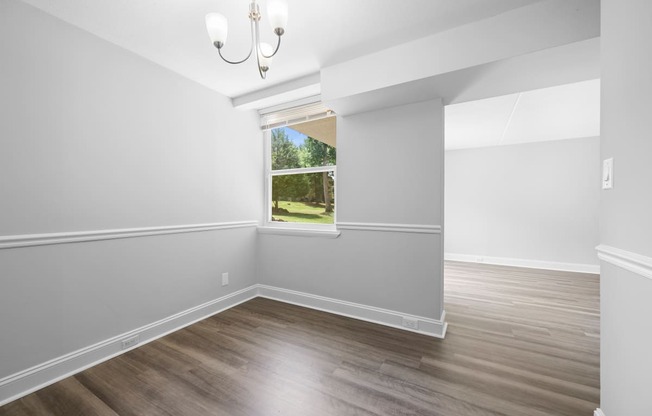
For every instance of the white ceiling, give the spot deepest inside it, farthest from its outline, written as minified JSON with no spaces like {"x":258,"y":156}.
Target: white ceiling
{"x":319,"y":33}
{"x":563,"y":112}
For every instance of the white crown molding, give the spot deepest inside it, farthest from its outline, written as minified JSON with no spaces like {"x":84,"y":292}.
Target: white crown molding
{"x":426,"y":326}
{"x":29,"y":240}
{"x":398,"y":228}
{"x":27,"y":381}
{"x":598,"y":412}
{"x":636,"y":263}
{"x":530,"y":264}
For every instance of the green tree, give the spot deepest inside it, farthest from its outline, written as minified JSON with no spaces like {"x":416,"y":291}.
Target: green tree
{"x":285,"y":155}
{"x":317,"y":153}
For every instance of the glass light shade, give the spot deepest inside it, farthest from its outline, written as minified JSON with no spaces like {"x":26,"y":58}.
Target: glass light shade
{"x":267,"y":49}
{"x":277,"y":12}
{"x":217,"y":27}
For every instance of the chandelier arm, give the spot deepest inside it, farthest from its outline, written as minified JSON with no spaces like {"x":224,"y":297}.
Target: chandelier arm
{"x":256,"y":31}
{"x":257,"y":48}
{"x":278,"y":45}
{"x":219,"y":50}
{"x":251,"y":49}
{"x":262,"y":73}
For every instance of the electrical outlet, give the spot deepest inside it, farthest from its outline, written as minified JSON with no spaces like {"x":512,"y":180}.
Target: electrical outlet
{"x":225,"y":279}
{"x":411,"y":323}
{"x":129,"y":342}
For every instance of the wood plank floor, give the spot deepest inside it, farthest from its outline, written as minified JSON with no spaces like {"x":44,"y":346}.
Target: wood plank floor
{"x":521,"y":342}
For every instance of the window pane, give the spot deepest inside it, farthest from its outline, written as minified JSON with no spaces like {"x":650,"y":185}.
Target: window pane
{"x":293,"y":149}
{"x":304,"y":197}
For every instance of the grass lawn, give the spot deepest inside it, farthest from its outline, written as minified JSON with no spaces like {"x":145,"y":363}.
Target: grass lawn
{"x":303,"y":212}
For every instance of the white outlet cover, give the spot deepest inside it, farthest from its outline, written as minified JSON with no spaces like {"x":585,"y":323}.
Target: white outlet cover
{"x":130,"y":342}
{"x":411,"y":323}
{"x":225,"y":279}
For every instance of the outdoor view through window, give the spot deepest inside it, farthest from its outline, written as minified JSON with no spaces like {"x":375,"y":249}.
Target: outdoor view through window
{"x":303,"y":174}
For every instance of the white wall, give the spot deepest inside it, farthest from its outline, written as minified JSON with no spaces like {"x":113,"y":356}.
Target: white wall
{"x":390,"y":170}
{"x":625,"y":215}
{"x":93,"y":137}
{"x":534,"y":202}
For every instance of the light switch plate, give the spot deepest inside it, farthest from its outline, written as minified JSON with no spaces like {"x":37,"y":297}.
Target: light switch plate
{"x":608,"y":173}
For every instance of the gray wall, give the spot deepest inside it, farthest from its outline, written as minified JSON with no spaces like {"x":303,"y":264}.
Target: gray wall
{"x":389,"y":170}
{"x":389,"y":165}
{"x":93,"y":137}
{"x":625,"y":216}
{"x":534,"y":201}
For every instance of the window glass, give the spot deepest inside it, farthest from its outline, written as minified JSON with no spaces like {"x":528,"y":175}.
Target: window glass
{"x":302,"y":176}
{"x":304,"y":197}
{"x":293,"y":149}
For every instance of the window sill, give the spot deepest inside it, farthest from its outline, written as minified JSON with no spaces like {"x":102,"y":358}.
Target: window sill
{"x":299,"y":232}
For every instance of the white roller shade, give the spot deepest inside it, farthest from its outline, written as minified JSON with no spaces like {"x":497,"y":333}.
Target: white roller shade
{"x":294,"y":115}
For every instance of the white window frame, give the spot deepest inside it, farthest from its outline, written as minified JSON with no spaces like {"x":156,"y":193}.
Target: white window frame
{"x":299,"y":228}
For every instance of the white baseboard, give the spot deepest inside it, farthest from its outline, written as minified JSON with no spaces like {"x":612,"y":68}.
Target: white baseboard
{"x":426,"y":326}
{"x":530,"y":264}
{"x":598,"y":412}
{"x":27,"y":381}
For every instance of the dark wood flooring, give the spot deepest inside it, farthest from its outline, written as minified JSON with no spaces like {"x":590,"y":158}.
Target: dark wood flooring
{"x":521,"y":342}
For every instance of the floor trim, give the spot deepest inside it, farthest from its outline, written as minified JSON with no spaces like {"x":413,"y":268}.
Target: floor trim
{"x":598,"y":412}
{"x":20,"y":384}
{"x":636,"y":263}
{"x":30,"y":240}
{"x":27,"y":381}
{"x":426,"y":326}
{"x":530,"y":264}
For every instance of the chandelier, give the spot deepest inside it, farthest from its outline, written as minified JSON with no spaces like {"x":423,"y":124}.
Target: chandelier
{"x":217,"y":27}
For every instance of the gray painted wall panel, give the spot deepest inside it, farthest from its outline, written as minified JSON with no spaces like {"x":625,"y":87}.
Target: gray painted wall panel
{"x":93,"y":137}
{"x":625,"y":215}
{"x":626,"y":336}
{"x":389,"y":170}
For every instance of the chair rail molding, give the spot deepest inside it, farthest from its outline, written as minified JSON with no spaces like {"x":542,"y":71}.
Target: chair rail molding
{"x":399,"y":228}
{"x":30,"y":240}
{"x":636,"y":263}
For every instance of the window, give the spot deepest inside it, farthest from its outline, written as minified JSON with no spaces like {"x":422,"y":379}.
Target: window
{"x":301,"y":173}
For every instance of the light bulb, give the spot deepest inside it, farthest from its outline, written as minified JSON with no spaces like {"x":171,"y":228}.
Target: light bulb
{"x":277,"y":11}
{"x":217,"y":27}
